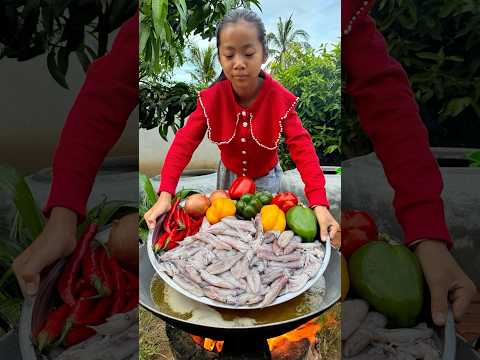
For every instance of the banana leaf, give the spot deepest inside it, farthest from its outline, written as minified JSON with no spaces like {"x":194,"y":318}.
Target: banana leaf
{"x":147,"y":188}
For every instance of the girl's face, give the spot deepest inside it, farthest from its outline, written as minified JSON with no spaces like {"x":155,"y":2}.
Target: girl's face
{"x":241,"y":55}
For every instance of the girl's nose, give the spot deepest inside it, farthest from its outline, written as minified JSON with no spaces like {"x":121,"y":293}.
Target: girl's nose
{"x":239,"y":63}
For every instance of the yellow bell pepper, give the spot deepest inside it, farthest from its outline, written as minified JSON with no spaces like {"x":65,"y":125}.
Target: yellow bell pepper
{"x":273,"y":218}
{"x":219,"y":209}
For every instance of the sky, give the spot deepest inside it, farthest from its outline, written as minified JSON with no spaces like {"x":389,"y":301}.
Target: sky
{"x":319,"y":18}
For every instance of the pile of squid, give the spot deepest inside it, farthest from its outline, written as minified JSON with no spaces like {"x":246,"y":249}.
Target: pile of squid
{"x":237,"y":263}
{"x":92,"y":288}
{"x":366,"y":337}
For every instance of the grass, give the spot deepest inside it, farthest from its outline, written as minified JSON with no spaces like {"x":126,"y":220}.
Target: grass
{"x":328,"y":340}
{"x":153,"y":342}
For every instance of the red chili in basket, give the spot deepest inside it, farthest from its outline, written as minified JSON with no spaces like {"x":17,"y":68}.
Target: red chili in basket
{"x":69,"y":276}
{"x":99,"y":312}
{"x":105,"y":271}
{"x":82,"y":308}
{"x":92,"y":272}
{"x":131,"y":280}
{"x":159,"y":244}
{"x":77,"y":334}
{"x":53,"y":326}
{"x":132,"y":301}
{"x":120,"y":286}
{"x":167,"y":221}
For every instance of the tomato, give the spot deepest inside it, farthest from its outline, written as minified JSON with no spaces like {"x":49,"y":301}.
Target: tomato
{"x":358,"y":228}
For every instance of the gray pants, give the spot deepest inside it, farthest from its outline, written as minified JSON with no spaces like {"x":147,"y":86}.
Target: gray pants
{"x":270,"y":182}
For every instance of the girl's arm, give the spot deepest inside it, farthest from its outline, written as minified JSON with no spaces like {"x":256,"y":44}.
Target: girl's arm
{"x":389,"y":115}
{"x":96,"y":121}
{"x":180,"y":153}
{"x":304,"y":156}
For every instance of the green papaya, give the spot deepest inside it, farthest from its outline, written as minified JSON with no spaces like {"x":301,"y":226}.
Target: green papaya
{"x":389,"y":278}
{"x":303,"y":222}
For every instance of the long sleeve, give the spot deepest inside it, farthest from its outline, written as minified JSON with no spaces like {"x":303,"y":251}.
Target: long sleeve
{"x":389,"y":115}
{"x":303,"y":154}
{"x":180,"y":153}
{"x":96,"y":121}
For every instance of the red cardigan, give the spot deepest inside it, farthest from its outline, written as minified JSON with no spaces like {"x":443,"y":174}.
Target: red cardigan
{"x":376,"y":82}
{"x":247,"y":137}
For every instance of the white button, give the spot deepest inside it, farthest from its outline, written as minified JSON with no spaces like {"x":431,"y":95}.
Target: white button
{"x":243,"y":140}
{"x":244,"y":162}
{"x":244,"y":170}
{"x":245,"y":124}
{"x":244,"y":174}
{"x":244,"y":113}
{"x":244,"y":152}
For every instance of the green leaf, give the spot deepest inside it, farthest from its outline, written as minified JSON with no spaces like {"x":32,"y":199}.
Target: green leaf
{"x":62,"y":60}
{"x":83,"y":58}
{"x":159,"y":13}
{"x":147,"y":188}
{"x":15,"y":186}
{"x":457,"y":105}
{"x":55,"y":71}
{"x":108,"y":211}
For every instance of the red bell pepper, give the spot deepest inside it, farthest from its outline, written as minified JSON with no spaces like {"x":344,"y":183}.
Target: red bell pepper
{"x":358,"y":228}
{"x":240,"y":186}
{"x":285,"y":200}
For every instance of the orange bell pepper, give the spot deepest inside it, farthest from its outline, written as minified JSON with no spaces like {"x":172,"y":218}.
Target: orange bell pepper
{"x":273,"y":218}
{"x":219,"y":209}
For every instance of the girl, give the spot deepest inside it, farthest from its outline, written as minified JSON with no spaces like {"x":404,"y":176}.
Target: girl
{"x":245,"y":112}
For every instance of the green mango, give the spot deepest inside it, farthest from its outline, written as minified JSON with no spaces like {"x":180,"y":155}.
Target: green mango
{"x":389,"y":278}
{"x":303,"y":222}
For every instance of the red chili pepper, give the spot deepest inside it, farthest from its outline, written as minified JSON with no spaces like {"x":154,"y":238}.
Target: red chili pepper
{"x":77,"y":334}
{"x":99,"y":312}
{"x":131,"y":280}
{"x":53,"y":326}
{"x":159,"y":244}
{"x":120,"y":286}
{"x":175,"y":237}
{"x":92,"y":272}
{"x":167,"y":221}
{"x":132,"y":301}
{"x":285,"y":200}
{"x":82,"y":308}
{"x":105,"y":271}
{"x":69,"y":276}
{"x":240,"y":186}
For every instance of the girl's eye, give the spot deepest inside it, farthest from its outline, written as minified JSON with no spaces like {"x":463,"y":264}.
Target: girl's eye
{"x":249,"y":55}
{"x":229,"y":56}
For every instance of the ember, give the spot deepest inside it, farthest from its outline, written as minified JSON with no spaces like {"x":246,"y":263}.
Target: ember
{"x":290,"y":346}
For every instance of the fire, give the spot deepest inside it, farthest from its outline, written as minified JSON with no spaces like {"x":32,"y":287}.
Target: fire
{"x":208,"y":344}
{"x":281,"y":343}
{"x":307,"y":331}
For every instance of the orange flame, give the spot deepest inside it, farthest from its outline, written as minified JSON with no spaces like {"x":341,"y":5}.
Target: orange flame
{"x":307,"y":331}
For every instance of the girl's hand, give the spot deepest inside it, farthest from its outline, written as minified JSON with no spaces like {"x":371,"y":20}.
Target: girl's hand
{"x":328,"y":226}
{"x":163,"y":205}
{"x":446,"y":280}
{"x":57,"y":239}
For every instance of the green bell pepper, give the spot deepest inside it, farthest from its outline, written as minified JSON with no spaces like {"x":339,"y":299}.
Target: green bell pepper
{"x":248,"y":206}
{"x":303,"y":222}
{"x":265,"y":197}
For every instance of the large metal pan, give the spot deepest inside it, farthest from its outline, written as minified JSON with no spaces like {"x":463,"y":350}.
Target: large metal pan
{"x":270,"y":322}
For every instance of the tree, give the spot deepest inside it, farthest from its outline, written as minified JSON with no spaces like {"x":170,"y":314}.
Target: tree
{"x":165,"y":26}
{"x":286,"y":36}
{"x":204,"y":64}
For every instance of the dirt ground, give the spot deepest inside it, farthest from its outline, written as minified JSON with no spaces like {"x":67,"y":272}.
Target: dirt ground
{"x":153,"y":339}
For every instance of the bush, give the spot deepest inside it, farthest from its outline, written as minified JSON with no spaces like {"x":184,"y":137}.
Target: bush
{"x":438,"y":42}
{"x":314,"y":76}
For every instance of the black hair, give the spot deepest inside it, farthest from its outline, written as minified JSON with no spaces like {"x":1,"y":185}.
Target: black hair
{"x":235,"y":16}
